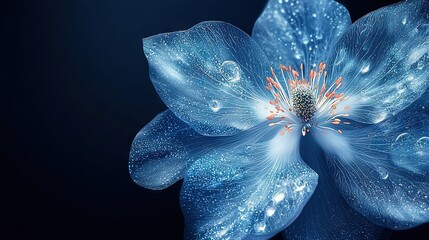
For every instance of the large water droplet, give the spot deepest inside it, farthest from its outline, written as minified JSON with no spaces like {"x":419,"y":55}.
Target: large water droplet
{"x":422,"y":146}
{"x":384,"y":174}
{"x":401,"y":141}
{"x":230,"y":70}
{"x":402,"y":148}
{"x":260,"y":227}
{"x":215,"y":105}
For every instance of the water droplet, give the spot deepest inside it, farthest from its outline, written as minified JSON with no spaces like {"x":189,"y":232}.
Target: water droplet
{"x":384,"y":174}
{"x":278,"y":197}
{"x":402,"y":147}
{"x":270,"y":211}
{"x":299,"y":186}
{"x":314,"y":15}
{"x":230,"y":70}
{"x":260,"y":227}
{"x":305,"y":39}
{"x":214,"y":105}
{"x":422,"y":146}
{"x":365,"y":69}
{"x":222,"y":232}
{"x":241,"y":209}
{"x":404,"y":21}
{"x":319,"y":36}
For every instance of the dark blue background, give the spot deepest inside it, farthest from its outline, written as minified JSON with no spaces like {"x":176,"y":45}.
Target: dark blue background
{"x":75,"y":91}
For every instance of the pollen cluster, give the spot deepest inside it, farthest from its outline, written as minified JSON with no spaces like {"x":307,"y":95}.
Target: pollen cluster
{"x":303,"y":102}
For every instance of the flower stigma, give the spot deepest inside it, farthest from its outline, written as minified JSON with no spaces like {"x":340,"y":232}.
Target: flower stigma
{"x":305,"y":103}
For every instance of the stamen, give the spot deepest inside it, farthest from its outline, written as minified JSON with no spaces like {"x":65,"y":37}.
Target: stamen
{"x":304,"y":98}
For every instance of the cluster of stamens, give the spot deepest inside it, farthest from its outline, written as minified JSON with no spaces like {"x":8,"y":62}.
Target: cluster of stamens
{"x":303,"y":98}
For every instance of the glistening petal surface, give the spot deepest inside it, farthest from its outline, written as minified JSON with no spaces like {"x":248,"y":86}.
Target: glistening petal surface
{"x":162,"y":151}
{"x":383,"y":169}
{"x":246,"y":192}
{"x":211,"y":76}
{"x":292,"y":32}
{"x":327,"y":215}
{"x":384,"y":54}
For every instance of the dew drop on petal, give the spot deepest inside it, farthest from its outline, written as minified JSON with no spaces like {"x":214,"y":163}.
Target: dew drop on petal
{"x":270,"y":211}
{"x":260,"y":227}
{"x":299,"y":186}
{"x":402,"y":147}
{"x":305,"y":39}
{"x":422,"y":146}
{"x":214,"y":105}
{"x":401,"y":141}
{"x":278,"y":197}
{"x":365,"y":69}
{"x":384,"y":174}
{"x":230,"y":70}
{"x":241,"y":208}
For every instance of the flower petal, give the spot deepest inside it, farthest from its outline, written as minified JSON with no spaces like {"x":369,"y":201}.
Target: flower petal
{"x":327,"y":215}
{"x":211,"y":76}
{"x":162,"y":150}
{"x":382,"y":169}
{"x":300,"y":31}
{"x":246,"y":192}
{"x":384,"y":54}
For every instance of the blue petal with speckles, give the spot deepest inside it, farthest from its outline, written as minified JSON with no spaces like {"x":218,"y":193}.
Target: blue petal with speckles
{"x":292,"y":32}
{"x":162,"y":151}
{"x":383,"y":59}
{"x":327,"y":215}
{"x":246,"y":192}
{"x":382,"y":170}
{"x":211,"y":76}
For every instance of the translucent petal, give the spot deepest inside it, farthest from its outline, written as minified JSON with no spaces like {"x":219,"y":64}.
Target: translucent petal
{"x":300,"y":31}
{"x":382,"y":170}
{"x":211,"y":76}
{"x":384,"y":54}
{"x":327,"y":215}
{"x":251,"y":191}
{"x":162,"y":150}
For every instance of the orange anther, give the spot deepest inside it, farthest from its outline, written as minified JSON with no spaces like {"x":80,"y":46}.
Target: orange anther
{"x":295,"y":73}
{"x":282,"y":132}
{"x":347,"y":108}
{"x":340,"y":132}
{"x":311,"y":74}
{"x":283,"y":67}
{"x":346,"y":123}
{"x":271,"y":117}
{"x":339,"y":80}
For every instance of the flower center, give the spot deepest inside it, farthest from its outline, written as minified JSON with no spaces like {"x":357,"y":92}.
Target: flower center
{"x":305,"y":103}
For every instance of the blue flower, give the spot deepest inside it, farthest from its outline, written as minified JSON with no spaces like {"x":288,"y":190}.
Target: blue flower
{"x":312,"y":126}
